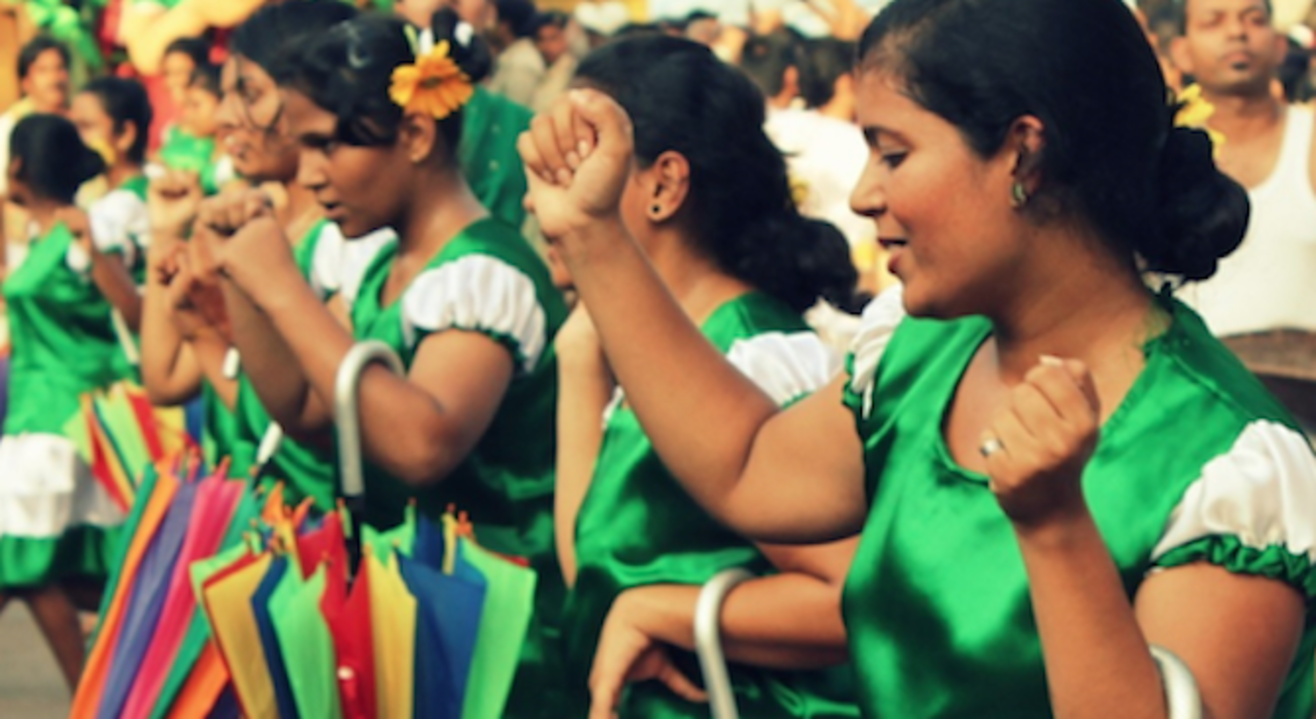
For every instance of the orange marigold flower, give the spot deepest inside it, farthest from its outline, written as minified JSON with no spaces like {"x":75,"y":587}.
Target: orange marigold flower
{"x":434,"y":86}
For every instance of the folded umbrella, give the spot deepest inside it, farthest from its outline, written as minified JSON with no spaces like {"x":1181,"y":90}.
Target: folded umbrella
{"x":140,"y":528}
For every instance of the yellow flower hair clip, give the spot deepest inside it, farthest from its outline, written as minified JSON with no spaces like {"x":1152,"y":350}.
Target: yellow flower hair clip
{"x":1194,"y":111}
{"x":434,"y":85}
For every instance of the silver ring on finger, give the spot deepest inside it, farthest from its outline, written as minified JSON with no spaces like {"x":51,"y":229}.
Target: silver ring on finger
{"x":991,"y":446}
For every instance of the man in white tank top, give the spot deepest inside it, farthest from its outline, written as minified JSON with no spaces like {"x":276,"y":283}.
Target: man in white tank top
{"x":1263,"y":299}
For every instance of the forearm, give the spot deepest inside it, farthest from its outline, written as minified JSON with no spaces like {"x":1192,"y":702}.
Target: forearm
{"x":404,"y":428}
{"x":784,"y":621}
{"x":583,"y":393}
{"x":112,"y":279}
{"x":274,"y":369}
{"x":209,"y":352}
{"x":169,"y":372}
{"x":1097,"y":660}
{"x":699,"y":411}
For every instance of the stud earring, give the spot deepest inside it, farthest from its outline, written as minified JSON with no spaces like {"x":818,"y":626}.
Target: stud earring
{"x":656,"y":210}
{"x":1018,"y":195}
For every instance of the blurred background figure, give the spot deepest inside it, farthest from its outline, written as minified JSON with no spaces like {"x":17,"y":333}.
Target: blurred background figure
{"x":520,"y":67}
{"x":553,"y":31}
{"x":1261,"y":300}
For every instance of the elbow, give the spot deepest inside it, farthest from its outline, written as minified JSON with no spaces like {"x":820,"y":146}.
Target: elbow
{"x":163,"y":394}
{"x":427,"y":456}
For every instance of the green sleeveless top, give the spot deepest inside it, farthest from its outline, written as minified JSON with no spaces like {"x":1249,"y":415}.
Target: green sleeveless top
{"x":637,"y":526}
{"x":62,"y":341}
{"x":488,"y":280}
{"x":1198,"y":464}
{"x":331,"y":264}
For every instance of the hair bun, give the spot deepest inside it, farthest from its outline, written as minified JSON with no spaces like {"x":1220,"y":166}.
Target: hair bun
{"x":468,"y":49}
{"x":1204,"y":214}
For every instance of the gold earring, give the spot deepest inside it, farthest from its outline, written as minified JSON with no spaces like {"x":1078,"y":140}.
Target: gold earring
{"x":1018,"y":195}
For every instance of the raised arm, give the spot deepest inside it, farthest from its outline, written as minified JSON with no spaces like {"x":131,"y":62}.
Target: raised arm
{"x":178,"y":345}
{"x":795,"y":475}
{"x":418,"y":427}
{"x":107,"y":271}
{"x":1236,"y":624}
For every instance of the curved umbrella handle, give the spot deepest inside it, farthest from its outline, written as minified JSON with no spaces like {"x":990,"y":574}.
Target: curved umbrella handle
{"x":347,"y":420}
{"x":1182,"y":698}
{"x":708,"y":641}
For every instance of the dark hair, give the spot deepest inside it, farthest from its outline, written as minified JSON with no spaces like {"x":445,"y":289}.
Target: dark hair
{"x":125,"y":101}
{"x":55,"y":163}
{"x":520,"y":16}
{"x":197,"y":48}
{"x":206,"y":77}
{"x":681,"y":98}
{"x":1295,"y":73}
{"x":1180,"y":10}
{"x":633,"y":30}
{"x":347,"y":71}
{"x":1085,"y":70}
{"x":765,"y":59}
{"x":34,"y":49}
{"x":829,"y":60}
{"x":554,"y":18}
{"x":271,"y":35}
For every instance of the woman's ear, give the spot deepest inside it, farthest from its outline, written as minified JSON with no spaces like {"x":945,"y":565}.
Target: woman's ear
{"x":124,"y":142}
{"x":418,"y":135}
{"x":670,"y":185}
{"x":1027,"y":142}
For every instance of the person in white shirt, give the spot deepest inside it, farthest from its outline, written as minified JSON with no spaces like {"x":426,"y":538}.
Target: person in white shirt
{"x":520,"y":68}
{"x":826,"y":155}
{"x":553,"y":31}
{"x":1268,"y":285}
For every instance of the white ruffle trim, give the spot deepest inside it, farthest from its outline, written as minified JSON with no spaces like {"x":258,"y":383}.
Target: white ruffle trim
{"x":1262,"y":491}
{"x":45,"y":488}
{"x":478,"y":293}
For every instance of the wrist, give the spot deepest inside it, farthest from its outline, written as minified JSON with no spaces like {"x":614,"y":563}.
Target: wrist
{"x":593,"y":239}
{"x":660,"y":612}
{"x":1061,"y":529}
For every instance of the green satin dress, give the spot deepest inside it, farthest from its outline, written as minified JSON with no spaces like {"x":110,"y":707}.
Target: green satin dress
{"x":637,"y":527}
{"x":488,"y":280}
{"x":54,"y":519}
{"x":489,"y":159}
{"x":1198,"y":464}
{"x":305,"y":471}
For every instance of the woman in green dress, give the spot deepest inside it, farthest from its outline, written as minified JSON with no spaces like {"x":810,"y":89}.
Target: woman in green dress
{"x":186,"y":351}
{"x":55,"y":519}
{"x":709,"y":202}
{"x":1052,"y":465}
{"x":461,"y":297}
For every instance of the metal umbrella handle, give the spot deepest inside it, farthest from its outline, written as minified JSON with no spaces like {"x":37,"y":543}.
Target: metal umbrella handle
{"x":1183,"y":700}
{"x":347,"y":423}
{"x":708,"y":641}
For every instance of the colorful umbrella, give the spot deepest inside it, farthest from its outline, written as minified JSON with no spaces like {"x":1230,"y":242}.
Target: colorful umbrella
{"x":119,"y":434}
{"x":224,"y":608}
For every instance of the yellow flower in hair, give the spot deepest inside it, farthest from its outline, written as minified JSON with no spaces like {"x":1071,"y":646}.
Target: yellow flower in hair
{"x":434,"y":86}
{"x":1194,"y":111}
